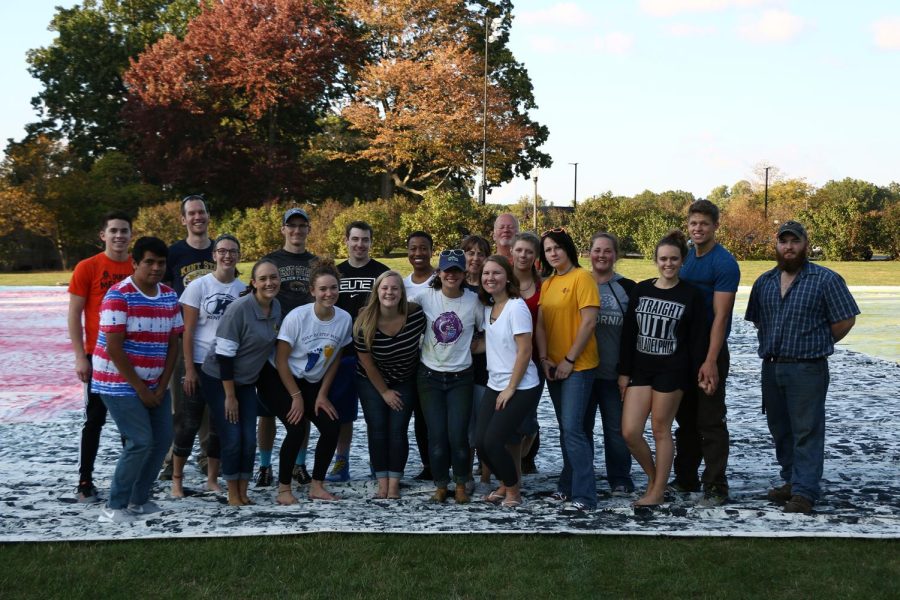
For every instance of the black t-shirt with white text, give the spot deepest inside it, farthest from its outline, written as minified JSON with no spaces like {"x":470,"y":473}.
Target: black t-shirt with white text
{"x":185,"y":264}
{"x":355,"y":287}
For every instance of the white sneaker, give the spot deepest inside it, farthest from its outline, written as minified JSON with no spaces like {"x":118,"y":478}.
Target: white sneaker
{"x":115,"y":515}
{"x":147,"y":508}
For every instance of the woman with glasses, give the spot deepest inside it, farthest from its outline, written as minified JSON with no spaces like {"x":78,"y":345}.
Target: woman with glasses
{"x":613,"y":290}
{"x":568,"y":354}
{"x":203,"y":305}
{"x":386,"y":337}
{"x":444,"y":379}
{"x":244,"y":340}
{"x":664,"y":339}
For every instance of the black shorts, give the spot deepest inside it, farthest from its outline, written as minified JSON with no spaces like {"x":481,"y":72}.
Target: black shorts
{"x":660,"y":381}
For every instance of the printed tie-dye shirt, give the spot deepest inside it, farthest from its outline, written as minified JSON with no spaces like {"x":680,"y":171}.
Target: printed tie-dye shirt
{"x":147,"y":323}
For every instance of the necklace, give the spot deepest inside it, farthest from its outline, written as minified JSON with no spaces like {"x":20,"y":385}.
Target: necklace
{"x":499,"y":309}
{"x":525,"y":289}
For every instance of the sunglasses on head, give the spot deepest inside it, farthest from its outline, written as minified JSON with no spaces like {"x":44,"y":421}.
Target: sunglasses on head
{"x":555,"y":230}
{"x":454,"y":252}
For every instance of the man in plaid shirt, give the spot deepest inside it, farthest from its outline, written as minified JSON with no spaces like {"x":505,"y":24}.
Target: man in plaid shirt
{"x":800,"y":311}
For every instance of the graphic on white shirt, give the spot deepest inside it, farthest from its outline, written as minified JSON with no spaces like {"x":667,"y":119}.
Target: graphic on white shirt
{"x":657,"y":321}
{"x":447,"y":328}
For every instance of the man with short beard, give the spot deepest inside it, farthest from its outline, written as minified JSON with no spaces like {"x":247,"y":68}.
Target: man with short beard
{"x":801,"y":310}
{"x":506,"y":226}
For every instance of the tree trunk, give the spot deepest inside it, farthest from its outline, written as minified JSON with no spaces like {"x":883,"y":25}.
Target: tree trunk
{"x":387,"y":185}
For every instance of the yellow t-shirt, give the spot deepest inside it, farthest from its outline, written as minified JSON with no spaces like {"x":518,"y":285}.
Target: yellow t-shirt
{"x":562,"y":297}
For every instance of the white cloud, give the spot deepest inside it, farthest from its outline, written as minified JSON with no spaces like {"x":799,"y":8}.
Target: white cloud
{"x":691,"y":30}
{"x":667,"y":8}
{"x":887,"y":33}
{"x":615,"y":42}
{"x":773,"y":26}
{"x":565,"y":14}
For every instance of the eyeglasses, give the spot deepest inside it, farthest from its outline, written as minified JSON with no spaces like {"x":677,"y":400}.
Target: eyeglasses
{"x":453,"y":252}
{"x":555,"y":230}
{"x":297,"y":225}
{"x":227,"y":252}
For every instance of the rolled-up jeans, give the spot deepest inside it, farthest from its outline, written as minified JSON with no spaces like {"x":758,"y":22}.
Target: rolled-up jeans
{"x":387,"y":428}
{"x":574,"y":407}
{"x":447,"y":405}
{"x":188,"y":424}
{"x":148,"y":434}
{"x":237,"y":440}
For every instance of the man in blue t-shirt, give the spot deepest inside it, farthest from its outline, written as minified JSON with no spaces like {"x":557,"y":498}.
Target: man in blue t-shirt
{"x":702,"y":432}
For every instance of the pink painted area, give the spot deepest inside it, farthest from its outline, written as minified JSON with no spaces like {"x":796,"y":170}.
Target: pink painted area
{"x":37,"y":375}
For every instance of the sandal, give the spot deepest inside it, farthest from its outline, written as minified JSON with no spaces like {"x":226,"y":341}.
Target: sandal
{"x":512,"y":503}
{"x":494,"y":497}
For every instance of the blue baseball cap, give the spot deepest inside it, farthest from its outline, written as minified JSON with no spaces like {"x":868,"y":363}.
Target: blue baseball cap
{"x":452,"y":259}
{"x":294,"y":212}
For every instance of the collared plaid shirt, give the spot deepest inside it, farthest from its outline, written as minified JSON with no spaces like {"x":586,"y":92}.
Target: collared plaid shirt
{"x":799,"y":325}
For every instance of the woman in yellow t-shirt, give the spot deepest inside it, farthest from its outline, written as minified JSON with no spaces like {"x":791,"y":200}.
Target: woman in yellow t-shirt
{"x":568,"y":352}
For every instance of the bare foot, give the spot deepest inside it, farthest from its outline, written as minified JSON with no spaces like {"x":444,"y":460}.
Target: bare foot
{"x":235,"y":501}
{"x":650,"y":500}
{"x":322,"y":495}
{"x":379,"y":495}
{"x":213,"y":486}
{"x":177,"y":488}
{"x":247,"y":501}
{"x":286,"y":497}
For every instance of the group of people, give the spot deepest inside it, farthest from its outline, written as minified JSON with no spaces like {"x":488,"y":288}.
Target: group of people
{"x":167,"y":339}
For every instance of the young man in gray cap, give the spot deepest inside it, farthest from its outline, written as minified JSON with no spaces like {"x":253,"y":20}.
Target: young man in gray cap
{"x":801,"y":310}
{"x":294,"y":263}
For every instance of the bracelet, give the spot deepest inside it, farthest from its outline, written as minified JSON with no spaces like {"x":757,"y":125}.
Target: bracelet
{"x":297,"y":393}
{"x":568,"y":360}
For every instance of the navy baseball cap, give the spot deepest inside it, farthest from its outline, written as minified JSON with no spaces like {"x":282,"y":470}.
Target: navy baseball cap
{"x":452,"y":259}
{"x":293,"y":212}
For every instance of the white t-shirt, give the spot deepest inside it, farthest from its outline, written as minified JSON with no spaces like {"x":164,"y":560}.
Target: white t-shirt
{"x":501,"y":348}
{"x":447,"y":345}
{"x":314,"y":343}
{"x":414,"y":289}
{"x":210,"y":297}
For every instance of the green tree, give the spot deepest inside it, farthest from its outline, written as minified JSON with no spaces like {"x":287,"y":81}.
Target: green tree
{"x":448,"y":217}
{"x":160,"y":220}
{"x":842,"y":218}
{"x":81,"y":70}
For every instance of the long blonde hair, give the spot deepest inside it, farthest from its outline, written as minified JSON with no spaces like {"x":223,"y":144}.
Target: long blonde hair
{"x":367,"y":321}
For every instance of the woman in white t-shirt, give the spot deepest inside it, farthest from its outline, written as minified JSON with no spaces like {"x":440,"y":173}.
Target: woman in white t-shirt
{"x":514,"y":388}
{"x":202,"y":305}
{"x":444,"y":380}
{"x":294,"y":385}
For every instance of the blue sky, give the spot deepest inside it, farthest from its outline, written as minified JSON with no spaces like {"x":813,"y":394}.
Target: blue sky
{"x":664,"y":94}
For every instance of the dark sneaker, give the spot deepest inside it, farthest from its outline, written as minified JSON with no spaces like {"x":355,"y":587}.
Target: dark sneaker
{"x":680,"y":487}
{"x":87,"y":493}
{"x":264,"y":477}
{"x":780,"y":494}
{"x":166,"y":473}
{"x":798,"y":504}
{"x":301,"y":475}
{"x":424,"y":475}
{"x":621,"y":490}
{"x":713,"y":496}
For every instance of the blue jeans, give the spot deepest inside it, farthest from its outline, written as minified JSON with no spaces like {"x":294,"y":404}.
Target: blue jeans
{"x":574,"y":407}
{"x":447,"y":405}
{"x":387,"y":428}
{"x":237,"y":440}
{"x":615,"y":450}
{"x":794,"y":398}
{"x":148,"y":434}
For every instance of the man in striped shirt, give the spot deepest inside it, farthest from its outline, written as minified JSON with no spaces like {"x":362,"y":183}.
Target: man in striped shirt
{"x":133,"y":361}
{"x":801,"y":311}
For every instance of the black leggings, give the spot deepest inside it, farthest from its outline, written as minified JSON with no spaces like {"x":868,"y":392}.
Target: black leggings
{"x":495,"y":428}
{"x":274,"y":396}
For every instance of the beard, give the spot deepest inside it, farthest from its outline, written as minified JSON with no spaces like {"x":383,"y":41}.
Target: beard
{"x":791,"y":265}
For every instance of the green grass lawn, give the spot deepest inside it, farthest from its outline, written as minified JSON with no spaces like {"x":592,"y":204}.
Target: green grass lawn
{"x":856,"y":273}
{"x":431,"y":566}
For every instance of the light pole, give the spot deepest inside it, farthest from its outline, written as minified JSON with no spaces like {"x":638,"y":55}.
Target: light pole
{"x":575,"y":193}
{"x":490,"y":35}
{"x":535,"y":177}
{"x":766,"y":201}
